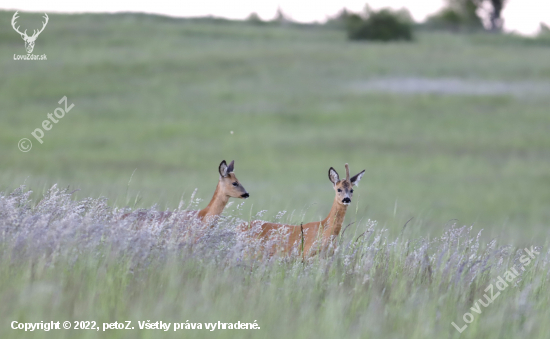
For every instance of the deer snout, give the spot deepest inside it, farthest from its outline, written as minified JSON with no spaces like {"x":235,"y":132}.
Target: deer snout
{"x":346,"y":200}
{"x":244,"y":196}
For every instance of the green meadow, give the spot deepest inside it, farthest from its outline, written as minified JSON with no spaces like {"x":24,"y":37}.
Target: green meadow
{"x":159,"y":102}
{"x":161,"y":96}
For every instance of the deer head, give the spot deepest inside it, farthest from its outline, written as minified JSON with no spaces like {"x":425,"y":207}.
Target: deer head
{"x":229,"y":182}
{"x":344,"y":188}
{"x":29,"y":40}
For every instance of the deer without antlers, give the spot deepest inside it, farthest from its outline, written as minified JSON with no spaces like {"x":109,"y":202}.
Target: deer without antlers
{"x":29,"y":40}
{"x":228,"y":187}
{"x":314,"y":236}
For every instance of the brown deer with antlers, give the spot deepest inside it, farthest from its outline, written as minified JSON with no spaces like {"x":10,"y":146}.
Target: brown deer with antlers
{"x":29,"y":40}
{"x":314,"y":236}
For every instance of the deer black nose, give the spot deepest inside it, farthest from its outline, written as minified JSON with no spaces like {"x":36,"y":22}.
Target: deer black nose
{"x":346,"y":200}
{"x":246,"y":195}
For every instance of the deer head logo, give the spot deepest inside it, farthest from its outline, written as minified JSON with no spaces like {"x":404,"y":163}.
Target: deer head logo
{"x":29,"y":40}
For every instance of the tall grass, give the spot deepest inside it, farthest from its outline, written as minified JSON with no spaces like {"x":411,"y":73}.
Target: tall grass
{"x":68,"y":259}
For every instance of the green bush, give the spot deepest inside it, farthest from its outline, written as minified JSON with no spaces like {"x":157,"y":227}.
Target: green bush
{"x":544,"y":30}
{"x":457,"y":15}
{"x":447,"y":18}
{"x":255,"y":19}
{"x":383,"y":25}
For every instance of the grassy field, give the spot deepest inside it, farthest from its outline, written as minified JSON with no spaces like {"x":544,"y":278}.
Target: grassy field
{"x":162,"y":101}
{"x":161,"y":97}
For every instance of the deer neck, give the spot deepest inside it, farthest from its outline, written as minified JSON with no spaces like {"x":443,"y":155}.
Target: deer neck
{"x":216,"y":205}
{"x":333,"y":223}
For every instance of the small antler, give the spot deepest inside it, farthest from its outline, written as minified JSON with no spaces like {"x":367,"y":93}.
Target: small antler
{"x":347,"y":172}
{"x":13,"y":23}
{"x":43,"y":26}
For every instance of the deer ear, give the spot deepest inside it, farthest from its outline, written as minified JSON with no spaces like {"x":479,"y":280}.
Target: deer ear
{"x":333,"y":176}
{"x":223,"y":169}
{"x":356,"y":178}
{"x":231,"y":167}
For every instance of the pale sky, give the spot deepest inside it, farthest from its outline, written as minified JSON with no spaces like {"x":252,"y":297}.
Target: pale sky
{"x":523,"y":16}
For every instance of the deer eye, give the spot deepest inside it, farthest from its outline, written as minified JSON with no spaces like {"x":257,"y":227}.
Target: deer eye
{"x":351,"y":191}
{"x":235,"y":184}
{"x":339,"y":190}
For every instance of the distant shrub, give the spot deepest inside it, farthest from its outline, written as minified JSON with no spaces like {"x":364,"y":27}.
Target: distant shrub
{"x":447,"y":18}
{"x":543,"y":38}
{"x":457,"y":15}
{"x":255,"y":19}
{"x":281,"y":18}
{"x":544,"y":30}
{"x":383,"y":25}
{"x":339,"y":20}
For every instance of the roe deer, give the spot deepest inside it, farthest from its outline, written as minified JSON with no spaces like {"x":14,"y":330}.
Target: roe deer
{"x":228,"y":187}
{"x":318,"y":233}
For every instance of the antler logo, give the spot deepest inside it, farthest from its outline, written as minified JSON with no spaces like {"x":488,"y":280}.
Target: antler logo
{"x":29,"y":40}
